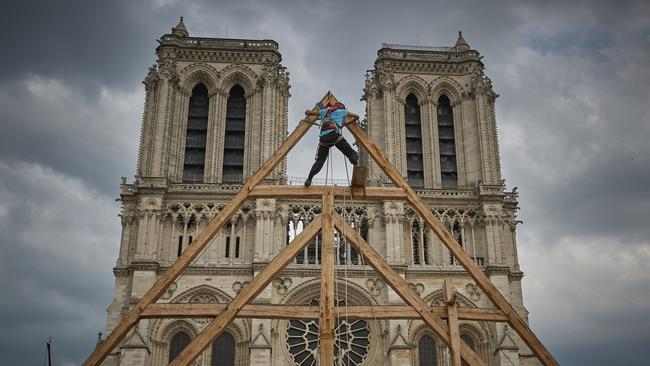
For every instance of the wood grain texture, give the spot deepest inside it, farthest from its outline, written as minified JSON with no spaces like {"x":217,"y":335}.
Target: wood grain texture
{"x":327,"y":322}
{"x":339,"y":192}
{"x":449,"y":297}
{"x":355,"y":312}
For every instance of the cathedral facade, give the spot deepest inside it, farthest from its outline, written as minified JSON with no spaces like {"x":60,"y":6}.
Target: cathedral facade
{"x":216,"y":109}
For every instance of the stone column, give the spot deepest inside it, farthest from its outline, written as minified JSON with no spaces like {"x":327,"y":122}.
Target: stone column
{"x":152,"y":89}
{"x":393,"y":212}
{"x":264,"y":238}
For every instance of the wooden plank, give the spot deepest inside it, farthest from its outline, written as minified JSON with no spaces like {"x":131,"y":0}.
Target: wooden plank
{"x":359,"y":174}
{"x":515,"y":321}
{"x":448,"y":291}
{"x":198,"y":244}
{"x":449,"y":297}
{"x":212,"y":331}
{"x":327,"y":322}
{"x":316,"y":192}
{"x":260,"y":311}
{"x":354,"y":312}
{"x":403,"y":289}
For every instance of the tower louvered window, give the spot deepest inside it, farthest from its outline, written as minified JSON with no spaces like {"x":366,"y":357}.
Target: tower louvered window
{"x":233,"y":152}
{"x":178,"y":344}
{"x":223,"y":351}
{"x":448,"y":167}
{"x":413,"y":130}
{"x":195,"y":138}
{"x":427,"y":352}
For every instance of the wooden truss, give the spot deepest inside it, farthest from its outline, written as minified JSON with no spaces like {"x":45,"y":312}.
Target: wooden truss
{"x":326,"y":312}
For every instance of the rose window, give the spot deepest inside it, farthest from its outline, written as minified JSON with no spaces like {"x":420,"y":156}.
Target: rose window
{"x":351,"y":342}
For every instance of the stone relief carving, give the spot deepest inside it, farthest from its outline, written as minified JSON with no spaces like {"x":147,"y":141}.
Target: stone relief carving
{"x":204,"y":298}
{"x":417,"y":287}
{"x":473,"y":291}
{"x":239,"y":286}
{"x":170,"y":291}
{"x":282,"y":285}
{"x":375,"y":286}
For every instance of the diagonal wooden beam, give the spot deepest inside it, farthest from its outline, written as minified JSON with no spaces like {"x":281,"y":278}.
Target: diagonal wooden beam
{"x":198,"y":244}
{"x":212,"y":331}
{"x":275,"y":311}
{"x":515,"y":321}
{"x":403,"y":289}
{"x":326,"y":322}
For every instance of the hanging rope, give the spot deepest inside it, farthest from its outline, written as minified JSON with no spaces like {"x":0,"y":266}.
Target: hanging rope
{"x":363,"y":266}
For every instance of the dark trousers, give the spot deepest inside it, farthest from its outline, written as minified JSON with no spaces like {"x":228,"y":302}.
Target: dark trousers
{"x":323,"y":152}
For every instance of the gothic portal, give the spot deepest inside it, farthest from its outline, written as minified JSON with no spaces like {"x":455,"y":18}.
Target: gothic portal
{"x":216,"y":109}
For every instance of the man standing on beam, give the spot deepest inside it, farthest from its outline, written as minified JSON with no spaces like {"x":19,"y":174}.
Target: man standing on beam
{"x":332,"y":121}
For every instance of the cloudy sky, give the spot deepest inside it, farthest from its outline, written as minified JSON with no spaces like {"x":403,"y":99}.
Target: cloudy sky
{"x":574,"y":129}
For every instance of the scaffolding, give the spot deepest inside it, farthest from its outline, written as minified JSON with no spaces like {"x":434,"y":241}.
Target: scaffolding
{"x":327,"y":311}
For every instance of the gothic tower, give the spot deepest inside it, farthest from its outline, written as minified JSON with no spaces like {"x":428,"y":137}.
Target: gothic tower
{"x":431,"y":110}
{"x":215,"y":110}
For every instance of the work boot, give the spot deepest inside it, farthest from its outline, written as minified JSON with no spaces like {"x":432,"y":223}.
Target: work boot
{"x":308,"y":182}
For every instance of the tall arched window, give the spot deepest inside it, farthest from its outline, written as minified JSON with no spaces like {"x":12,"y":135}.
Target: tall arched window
{"x":233,"y":152}
{"x":179,"y":341}
{"x":223,"y":351}
{"x":414,"y":165}
{"x":427,"y":352}
{"x":448,"y":168}
{"x":197,"y":132}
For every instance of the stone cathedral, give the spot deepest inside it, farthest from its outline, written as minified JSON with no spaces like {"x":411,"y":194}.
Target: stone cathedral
{"x":216,"y":109}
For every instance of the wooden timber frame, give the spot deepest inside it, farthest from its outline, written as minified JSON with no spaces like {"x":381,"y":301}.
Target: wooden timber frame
{"x":326,"y":312}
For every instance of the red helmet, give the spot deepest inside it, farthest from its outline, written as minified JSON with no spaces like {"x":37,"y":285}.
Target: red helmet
{"x":337,"y":105}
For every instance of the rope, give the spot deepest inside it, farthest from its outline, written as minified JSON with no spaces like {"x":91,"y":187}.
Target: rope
{"x":363,"y":266}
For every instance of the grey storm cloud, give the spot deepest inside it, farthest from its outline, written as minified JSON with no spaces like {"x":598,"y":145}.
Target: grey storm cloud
{"x":573,"y":126}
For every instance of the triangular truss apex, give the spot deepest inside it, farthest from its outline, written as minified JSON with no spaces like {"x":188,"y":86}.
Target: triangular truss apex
{"x":326,"y":313}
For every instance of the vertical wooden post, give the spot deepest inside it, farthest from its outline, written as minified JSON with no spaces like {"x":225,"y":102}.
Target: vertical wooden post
{"x":326,"y":323}
{"x":449,"y":297}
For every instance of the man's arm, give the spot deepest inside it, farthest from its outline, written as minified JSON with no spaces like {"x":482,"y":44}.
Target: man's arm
{"x":350,"y":118}
{"x":309,"y":112}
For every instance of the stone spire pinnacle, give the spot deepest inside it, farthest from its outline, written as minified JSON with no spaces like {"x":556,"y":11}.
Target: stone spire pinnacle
{"x":461,"y":44}
{"x":180,"y":29}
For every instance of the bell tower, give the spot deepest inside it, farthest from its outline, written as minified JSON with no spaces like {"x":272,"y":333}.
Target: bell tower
{"x":207,"y":101}
{"x":432,"y":110}
{"x":215,"y":109}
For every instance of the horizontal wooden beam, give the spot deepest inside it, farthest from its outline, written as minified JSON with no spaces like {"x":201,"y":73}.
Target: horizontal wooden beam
{"x":263,"y":311}
{"x":316,"y":192}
